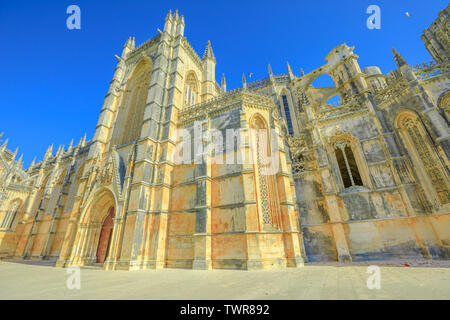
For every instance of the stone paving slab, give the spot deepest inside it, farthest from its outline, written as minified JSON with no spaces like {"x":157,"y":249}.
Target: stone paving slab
{"x":314,"y":281}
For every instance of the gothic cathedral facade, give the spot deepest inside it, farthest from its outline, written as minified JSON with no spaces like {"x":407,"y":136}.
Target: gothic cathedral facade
{"x":363,"y":179}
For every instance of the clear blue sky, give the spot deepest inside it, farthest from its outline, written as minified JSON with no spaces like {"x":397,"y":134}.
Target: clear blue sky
{"x":53,"y":80}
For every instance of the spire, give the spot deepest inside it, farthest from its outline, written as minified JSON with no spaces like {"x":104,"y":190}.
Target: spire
{"x":3,"y":148}
{"x":244,"y":82}
{"x":15,"y":153}
{"x":19,"y":163}
{"x":33,"y":162}
{"x":223,"y":84}
{"x":180,"y":27}
{"x":127,"y":47}
{"x":270,"y":73}
{"x":302,"y":72}
{"x":398,"y":58}
{"x":169,"y":23}
{"x":60,"y":150}
{"x":129,"y":43}
{"x":175,"y":16}
{"x":209,"y":54}
{"x":83,"y":143}
{"x":169,"y":15}
{"x":49,"y":152}
{"x":70,"y":145}
{"x":289,"y":71}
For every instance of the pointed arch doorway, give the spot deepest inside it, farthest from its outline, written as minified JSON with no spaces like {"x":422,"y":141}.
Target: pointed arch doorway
{"x":94,"y":233}
{"x":105,"y":236}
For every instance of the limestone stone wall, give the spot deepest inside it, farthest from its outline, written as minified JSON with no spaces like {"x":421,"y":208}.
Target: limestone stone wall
{"x":363,"y":179}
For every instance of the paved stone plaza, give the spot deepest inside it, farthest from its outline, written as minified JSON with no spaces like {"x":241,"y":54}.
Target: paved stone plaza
{"x":19,"y":280}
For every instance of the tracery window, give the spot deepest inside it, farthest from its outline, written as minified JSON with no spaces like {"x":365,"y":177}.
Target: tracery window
{"x":131,"y":113}
{"x":267,"y":183}
{"x":422,"y":147}
{"x":348,"y":167}
{"x":10,"y":215}
{"x":445,"y":103}
{"x":190,"y":90}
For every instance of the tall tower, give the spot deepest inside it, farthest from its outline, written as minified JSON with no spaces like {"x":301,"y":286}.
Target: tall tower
{"x":436,"y":37}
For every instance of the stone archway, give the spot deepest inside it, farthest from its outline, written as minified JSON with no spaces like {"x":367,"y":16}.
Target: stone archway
{"x":95,"y":230}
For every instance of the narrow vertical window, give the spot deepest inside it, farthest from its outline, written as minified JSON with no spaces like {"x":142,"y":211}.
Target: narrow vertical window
{"x":189,"y":95}
{"x":186,"y":95}
{"x":288,"y":115}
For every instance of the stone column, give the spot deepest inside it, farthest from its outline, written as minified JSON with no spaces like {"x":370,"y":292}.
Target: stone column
{"x":68,"y":243}
{"x":289,"y":219}
{"x":202,"y":236}
{"x":114,"y":247}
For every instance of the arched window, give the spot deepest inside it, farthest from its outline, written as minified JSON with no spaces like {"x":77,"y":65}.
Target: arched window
{"x":266,"y":181}
{"x":445,"y":100}
{"x":131,"y":112}
{"x":348,"y":167}
{"x":422,"y":154}
{"x":10,"y":215}
{"x":444,"y":103}
{"x":190,"y":90}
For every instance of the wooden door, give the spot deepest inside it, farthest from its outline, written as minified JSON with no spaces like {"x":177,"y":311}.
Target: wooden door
{"x":105,"y":237}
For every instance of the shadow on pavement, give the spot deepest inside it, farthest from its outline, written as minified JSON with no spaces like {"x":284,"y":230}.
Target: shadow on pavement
{"x":42,"y":263}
